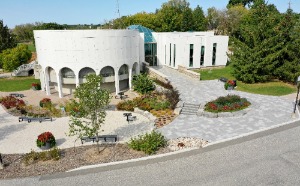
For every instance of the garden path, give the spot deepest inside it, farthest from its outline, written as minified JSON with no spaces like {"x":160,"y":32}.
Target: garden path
{"x":266,"y":111}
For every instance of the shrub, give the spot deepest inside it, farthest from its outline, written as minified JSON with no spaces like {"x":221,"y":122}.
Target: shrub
{"x":163,"y":84}
{"x":148,"y":143}
{"x":228,"y":103}
{"x":46,"y":137}
{"x":36,"y":86}
{"x":36,"y":111}
{"x":142,"y":84}
{"x":45,"y":102}
{"x":73,"y":108}
{"x":231,"y":83}
{"x":52,"y":154}
{"x":12,"y":102}
{"x":173,"y":97}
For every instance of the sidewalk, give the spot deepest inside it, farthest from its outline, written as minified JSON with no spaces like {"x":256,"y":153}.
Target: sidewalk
{"x":266,"y":111}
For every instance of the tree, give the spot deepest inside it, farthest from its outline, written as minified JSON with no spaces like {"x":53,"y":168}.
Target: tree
{"x":239,"y":2}
{"x":284,"y":48}
{"x":230,"y":20}
{"x":187,"y":20}
{"x":213,"y":18}
{"x":6,"y":38}
{"x":11,"y":59}
{"x":92,"y":100}
{"x":199,"y":20}
{"x":171,"y":15}
{"x":48,"y":26}
{"x":24,"y":32}
{"x":250,"y":44}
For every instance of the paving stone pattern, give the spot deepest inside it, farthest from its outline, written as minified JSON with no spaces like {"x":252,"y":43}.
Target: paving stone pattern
{"x":265,"y":112}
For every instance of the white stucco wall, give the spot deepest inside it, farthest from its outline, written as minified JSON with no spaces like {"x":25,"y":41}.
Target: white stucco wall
{"x":182,"y":40}
{"x":77,"y":49}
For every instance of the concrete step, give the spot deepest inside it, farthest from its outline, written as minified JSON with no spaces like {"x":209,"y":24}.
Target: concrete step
{"x":189,"y":110}
{"x":188,"y":113}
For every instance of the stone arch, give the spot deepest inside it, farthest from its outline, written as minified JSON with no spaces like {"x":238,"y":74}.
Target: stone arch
{"x":86,"y":71}
{"x":135,"y":68}
{"x":51,"y":74}
{"x":123,"y":77}
{"x":108,"y":78}
{"x":107,"y":71}
{"x":67,"y":73}
{"x":123,"y":69}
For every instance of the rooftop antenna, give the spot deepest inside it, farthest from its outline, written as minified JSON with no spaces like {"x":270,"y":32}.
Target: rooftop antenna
{"x":117,"y":14}
{"x":290,"y":4}
{"x":118,"y":9}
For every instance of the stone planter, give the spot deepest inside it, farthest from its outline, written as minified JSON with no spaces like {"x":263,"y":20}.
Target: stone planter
{"x":46,"y":147}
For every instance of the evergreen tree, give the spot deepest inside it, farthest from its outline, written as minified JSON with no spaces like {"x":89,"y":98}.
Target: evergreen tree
{"x":251,"y":44}
{"x":284,"y":50}
{"x":6,"y":38}
{"x":199,"y":20}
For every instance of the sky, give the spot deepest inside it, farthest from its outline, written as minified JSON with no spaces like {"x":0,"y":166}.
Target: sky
{"x":16,"y":12}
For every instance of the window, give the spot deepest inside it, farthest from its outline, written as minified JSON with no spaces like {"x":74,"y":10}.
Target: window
{"x":202,"y":55}
{"x":214,"y":54}
{"x":174,"y":55}
{"x":170,"y":54}
{"x":191,"y":54}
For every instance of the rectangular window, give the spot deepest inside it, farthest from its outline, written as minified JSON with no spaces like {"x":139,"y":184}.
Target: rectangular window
{"x":214,"y":54}
{"x":174,"y":60}
{"x":191,"y":55}
{"x":170,"y":54}
{"x":202,"y":55}
{"x":165,"y":54}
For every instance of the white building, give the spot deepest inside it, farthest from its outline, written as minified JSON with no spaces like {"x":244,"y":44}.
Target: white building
{"x":67,"y":56}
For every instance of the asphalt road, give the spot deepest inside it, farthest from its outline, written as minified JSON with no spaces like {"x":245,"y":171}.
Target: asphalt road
{"x":267,"y":158}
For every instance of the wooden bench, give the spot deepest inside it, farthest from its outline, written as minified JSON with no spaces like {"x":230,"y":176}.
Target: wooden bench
{"x":104,"y":138}
{"x":16,"y":95}
{"x":223,"y":79}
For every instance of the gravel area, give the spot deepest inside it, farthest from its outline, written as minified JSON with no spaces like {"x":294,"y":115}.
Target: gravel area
{"x":70,"y":159}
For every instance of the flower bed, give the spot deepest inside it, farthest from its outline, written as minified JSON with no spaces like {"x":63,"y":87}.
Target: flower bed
{"x":12,"y":102}
{"x":229,"y":103}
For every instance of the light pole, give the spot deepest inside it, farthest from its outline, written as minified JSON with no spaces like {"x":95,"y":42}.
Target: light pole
{"x":297,"y":83}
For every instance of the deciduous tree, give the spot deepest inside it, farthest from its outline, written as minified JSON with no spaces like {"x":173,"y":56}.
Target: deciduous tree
{"x":92,"y":100}
{"x":13,"y":58}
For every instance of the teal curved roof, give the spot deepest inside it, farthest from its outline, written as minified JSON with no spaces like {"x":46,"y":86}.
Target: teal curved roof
{"x":148,"y":37}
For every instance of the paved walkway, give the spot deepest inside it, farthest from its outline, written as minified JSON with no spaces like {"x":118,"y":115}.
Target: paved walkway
{"x":267,"y":111}
{"x":20,"y":137}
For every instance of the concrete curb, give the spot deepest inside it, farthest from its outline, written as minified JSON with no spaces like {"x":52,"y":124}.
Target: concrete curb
{"x":132,"y":160}
{"x":188,"y":149}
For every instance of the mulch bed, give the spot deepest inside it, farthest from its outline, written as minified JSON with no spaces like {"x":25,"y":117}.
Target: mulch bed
{"x":69,"y":159}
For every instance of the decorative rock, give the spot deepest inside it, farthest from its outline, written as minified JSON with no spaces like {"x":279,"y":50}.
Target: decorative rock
{"x":179,"y":104}
{"x":177,"y":111}
{"x":185,"y":142}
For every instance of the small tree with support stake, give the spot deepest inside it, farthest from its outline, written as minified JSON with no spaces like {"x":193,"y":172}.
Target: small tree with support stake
{"x":92,"y":100}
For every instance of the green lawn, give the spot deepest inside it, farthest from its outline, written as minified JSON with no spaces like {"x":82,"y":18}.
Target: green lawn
{"x":271,"y":88}
{"x":17,"y":84}
{"x":31,"y":46}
